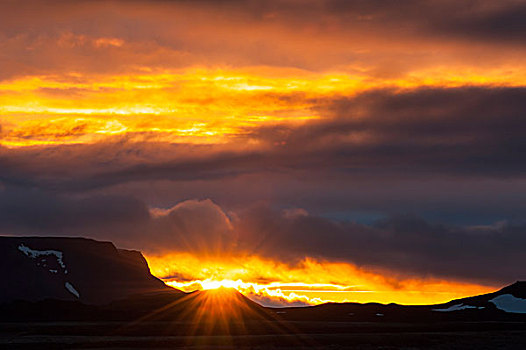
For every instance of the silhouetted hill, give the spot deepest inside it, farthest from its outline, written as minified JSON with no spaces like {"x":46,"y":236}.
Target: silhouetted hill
{"x":508,"y":300}
{"x":218,"y":306}
{"x":71,"y":269}
{"x":506,"y":304}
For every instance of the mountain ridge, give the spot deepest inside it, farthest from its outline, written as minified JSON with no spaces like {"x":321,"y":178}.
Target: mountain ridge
{"x":72,"y":268}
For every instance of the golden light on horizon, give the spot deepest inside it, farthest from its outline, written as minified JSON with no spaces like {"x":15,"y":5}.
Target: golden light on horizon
{"x":309,"y":282}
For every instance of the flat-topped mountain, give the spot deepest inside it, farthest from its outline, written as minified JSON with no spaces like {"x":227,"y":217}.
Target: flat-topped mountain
{"x":75,"y":269}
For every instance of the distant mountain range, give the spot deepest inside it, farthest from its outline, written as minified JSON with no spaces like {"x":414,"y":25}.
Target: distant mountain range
{"x":506,"y":304}
{"x":54,"y":279}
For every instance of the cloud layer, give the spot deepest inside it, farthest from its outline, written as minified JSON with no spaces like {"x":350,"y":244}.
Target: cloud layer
{"x":407,"y":246}
{"x":468,"y":132}
{"x":387,"y":37}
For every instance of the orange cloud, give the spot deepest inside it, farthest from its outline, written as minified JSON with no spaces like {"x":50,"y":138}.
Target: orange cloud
{"x":309,"y":282}
{"x":196,"y":105}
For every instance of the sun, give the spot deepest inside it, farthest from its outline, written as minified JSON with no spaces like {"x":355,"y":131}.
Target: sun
{"x":229,"y":284}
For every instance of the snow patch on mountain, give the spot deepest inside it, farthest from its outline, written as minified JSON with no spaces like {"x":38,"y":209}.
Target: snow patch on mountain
{"x":458,"y":307}
{"x":509,"y":303}
{"x":33,"y":254}
{"x":72,"y":289}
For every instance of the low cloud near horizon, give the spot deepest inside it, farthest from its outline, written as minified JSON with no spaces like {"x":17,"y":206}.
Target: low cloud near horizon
{"x":408,"y":246}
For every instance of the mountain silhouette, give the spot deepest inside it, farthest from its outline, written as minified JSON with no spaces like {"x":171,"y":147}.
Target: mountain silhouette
{"x":510,"y":299}
{"x":74,"y":269}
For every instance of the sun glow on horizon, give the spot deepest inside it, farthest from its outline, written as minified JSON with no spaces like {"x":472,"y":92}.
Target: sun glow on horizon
{"x":309,"y":283}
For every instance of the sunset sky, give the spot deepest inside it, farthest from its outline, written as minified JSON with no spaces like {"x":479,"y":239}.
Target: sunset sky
{"x":301,"y":151}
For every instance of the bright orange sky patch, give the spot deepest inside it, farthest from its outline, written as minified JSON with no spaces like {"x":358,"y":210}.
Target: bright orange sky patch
{"x":310,"y":282}
{"x":196,"y":105}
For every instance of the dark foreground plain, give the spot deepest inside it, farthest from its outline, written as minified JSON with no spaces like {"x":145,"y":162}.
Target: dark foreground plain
{"x":225,"y":319}
{"x":262,"y":335}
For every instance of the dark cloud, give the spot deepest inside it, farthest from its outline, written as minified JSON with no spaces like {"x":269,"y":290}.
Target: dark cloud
{"x":503,"y":22}
{"x":194,"y":226}
{"x":191,"y":226}
{"x":404,"y":245}
{"x":478,"y":19}
{"x":468,"y":130}
{"x":31,"y":211}
{"x":462,"y":132}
